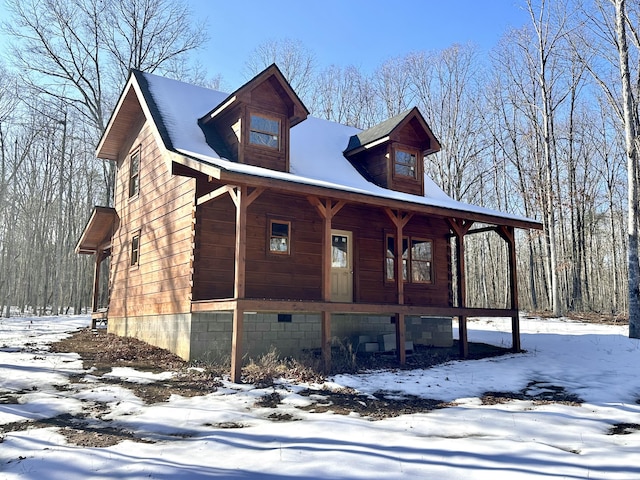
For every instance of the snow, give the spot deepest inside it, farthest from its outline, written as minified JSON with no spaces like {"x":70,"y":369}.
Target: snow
{"x":192,"y":438}
{"x":316,"y":149}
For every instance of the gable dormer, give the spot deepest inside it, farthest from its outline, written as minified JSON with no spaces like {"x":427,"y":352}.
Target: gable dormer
{"x":252,"y":125}
{"x":391,"y":154}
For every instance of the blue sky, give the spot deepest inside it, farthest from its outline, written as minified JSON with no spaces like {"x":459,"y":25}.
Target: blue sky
{"x":363,"y":33}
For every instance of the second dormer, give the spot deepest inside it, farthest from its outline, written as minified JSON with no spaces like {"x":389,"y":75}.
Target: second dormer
{"x":252,"y":125}
{"x":391,"y":154}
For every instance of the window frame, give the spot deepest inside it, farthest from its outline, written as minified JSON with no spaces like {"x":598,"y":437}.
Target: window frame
{"x":134,"y":249}
{"x":407,"y":259}
{"x":267,"y":116}
{"x":134,"y":188}
{"x":415,"y":153}
{"x":270,"y":237}
{"x":414,"y":261}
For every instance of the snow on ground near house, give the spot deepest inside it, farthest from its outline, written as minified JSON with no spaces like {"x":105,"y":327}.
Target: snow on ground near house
{"x":192,"y":439}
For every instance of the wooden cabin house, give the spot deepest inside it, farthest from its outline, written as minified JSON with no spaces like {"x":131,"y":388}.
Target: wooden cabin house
{"x":242,"y":223}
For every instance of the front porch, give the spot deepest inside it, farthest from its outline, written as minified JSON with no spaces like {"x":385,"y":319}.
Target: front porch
{"x":238,"y":308}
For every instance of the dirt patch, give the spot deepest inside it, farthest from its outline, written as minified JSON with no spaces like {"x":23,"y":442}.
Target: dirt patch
{"x":101,"y":351}
{"x":541,"y":393}
{"x":623,"y":429}
{"x":376,"y":407}
{"x":78,"y":430}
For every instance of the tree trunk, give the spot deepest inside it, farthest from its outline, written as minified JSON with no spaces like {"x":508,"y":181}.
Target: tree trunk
{"x":630,"y":138}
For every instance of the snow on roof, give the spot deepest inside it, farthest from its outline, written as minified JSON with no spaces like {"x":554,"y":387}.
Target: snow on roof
{"x":316,"y":148}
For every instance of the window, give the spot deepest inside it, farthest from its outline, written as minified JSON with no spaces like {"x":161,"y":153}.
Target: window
{"x":264,"y":131}
{"x":134,"y":173}
{"x":421,"y":261}
{"x":418,"y":260}
{"x":391,"y":258}
{"x":135,"y":249}
{"x":279,"y":233}
{"x":405,"y":163}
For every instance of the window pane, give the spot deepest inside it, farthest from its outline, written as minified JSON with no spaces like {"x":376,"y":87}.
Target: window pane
{"x":265,"y":139}
{"x":135,"y":250}
{"x":405,"y":163}
{"x":339,"y":251}
{"x":266,"y":125}
{"x":421,"y":258}
{"x":134,"y":170}
{"x":279,"y":237}
{"x":264,"y":131}
{"x":391,"y":258}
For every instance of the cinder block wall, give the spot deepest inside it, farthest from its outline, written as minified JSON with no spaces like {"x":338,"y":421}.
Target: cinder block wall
{"x":264,"y":330}
{"x":211,"y":336}
{"x":430,"y":331}
{"x":172,"y":332}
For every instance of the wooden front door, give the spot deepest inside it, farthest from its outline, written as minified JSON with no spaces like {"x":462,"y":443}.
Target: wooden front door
{"x":341,"y":266}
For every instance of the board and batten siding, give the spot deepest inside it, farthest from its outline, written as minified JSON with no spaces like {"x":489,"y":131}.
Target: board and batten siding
{"x":163,"y":214}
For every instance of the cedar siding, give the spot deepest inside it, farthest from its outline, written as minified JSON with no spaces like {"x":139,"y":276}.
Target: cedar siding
{"x":162,"y":213}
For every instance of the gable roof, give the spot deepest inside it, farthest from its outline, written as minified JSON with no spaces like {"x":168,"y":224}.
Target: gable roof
{"x":380,"y":132}
{"x":316,"y":149}
{"x":297,"y":110}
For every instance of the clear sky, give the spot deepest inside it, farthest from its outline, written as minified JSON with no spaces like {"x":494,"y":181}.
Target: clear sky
{"x":363,"y":33}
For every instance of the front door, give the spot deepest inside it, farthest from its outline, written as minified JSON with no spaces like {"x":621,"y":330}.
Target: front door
{"x":341,"y":266}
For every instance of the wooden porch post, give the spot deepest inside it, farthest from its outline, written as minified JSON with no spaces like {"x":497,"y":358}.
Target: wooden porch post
{"x":242,"y":199}
{"x":460,"y":228}
{"x":508,"y":234}
{"x":327,"y":210}
{"x":400,"y":220}
{"x":96,"y":284}
{"x":96,"y":281}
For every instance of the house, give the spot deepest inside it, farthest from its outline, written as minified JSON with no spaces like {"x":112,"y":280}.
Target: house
{"x":240,"y":222}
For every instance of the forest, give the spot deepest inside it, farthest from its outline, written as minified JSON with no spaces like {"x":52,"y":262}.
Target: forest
{"x":545,"y":125}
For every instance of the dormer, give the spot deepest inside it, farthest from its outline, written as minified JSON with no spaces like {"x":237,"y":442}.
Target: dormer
{"x":391,"y":154}
{"x":252,"y":125}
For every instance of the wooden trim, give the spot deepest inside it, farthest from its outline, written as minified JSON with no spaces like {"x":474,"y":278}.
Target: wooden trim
{"x":400,"y":220}
{"x":460,"y":228}
{"x":351,"y":197}
{"x":508,"y":234}
{"x":215,"y":194}
{"x":303,"y":306}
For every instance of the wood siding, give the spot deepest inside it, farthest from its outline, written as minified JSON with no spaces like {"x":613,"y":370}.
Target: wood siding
{"x":163,"y":214}
{"x":298,"y":276}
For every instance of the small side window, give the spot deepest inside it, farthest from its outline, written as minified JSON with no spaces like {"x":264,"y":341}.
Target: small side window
{"x":135,"y":249}
{"x":405,"y":163}
{"x":134,"y":173}
{"x":264,"y":131}
{"x":279,"y":237}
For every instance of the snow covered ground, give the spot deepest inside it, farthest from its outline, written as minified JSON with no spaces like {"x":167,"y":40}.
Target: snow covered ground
{"x":471,"y":440}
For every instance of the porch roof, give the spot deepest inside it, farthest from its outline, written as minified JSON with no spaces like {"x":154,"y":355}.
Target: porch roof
{"x":97,"y":233}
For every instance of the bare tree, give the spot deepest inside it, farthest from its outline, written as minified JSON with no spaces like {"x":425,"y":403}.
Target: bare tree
{"x":631,"y":150}
{"x":297,"y":63}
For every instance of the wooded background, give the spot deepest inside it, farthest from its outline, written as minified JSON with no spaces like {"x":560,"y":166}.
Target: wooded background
{"x":536,"y":127}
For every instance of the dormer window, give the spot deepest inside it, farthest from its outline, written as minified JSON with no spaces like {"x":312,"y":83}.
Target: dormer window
{"x":405,"y":163}
{"x":264,"y":131}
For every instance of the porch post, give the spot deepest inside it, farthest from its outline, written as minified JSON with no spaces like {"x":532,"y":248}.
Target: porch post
{"x":460,"y":228}
{"x":236,"y":344}
{"x":508,"y":234}
{"x":96,"y":281}
{"x":399,"y":220}
{"x":242,"y":200}
{"x":327,"y":210}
